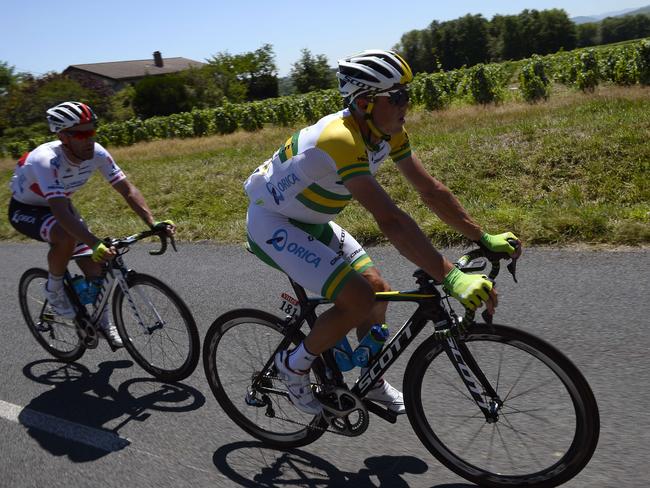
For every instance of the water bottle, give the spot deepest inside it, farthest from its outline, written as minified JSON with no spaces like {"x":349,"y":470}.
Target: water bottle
{"x":370,"y":345}
{"x":80,"y":286}
{"x":343,"y":354}
{"x":94,"y":286}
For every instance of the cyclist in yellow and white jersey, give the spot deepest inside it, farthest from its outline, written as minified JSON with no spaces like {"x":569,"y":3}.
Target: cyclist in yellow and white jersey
{"x":295,"y":195}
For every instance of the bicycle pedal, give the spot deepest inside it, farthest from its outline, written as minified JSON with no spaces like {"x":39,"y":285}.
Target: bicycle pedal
{"x":49,"y":316}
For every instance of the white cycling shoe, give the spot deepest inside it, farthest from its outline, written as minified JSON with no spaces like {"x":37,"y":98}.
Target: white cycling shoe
{"x":298,"y":385}
{"x":110,"y":331}
{"x":59,"y":302}
{"x":388,"y":396}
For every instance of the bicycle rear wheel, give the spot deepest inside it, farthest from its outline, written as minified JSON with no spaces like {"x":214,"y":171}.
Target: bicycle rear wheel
{"x":235,"y":350}
{"x":58,"y":336}
{"x":548,"y":424}
{"x":157,"y":328}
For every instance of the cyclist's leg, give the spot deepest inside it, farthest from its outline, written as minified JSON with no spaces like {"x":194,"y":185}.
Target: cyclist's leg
{"x":93,"y":272}
{"x":62,"y":246}
{"x":306,"y":252}
{"x":346,"y":246}
{"x":351,"y":309}
{"x":38,"y":223}
{"x":378,"y":314}
{"x":354,"y":253}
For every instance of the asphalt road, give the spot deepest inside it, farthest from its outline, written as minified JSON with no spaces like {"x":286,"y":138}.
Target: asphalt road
{"x":104,"y":422}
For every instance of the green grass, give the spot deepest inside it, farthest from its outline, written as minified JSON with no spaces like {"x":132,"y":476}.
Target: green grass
{"x":575,"y":169}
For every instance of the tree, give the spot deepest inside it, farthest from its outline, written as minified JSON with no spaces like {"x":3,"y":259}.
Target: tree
{"x":556,"y":31}
{"x":26,"y":101}
{"x":160,"y":95}
{"x":588,"y":34}
{"x":417,"y":47}
{"x":202,"y":88}
{"x":248,"y":76}
{"x":617,"y":29}
{"x":7,"y":77}
{"x":463,"y":42}
{"x":531,"y":32}
{"x":311,"y":73}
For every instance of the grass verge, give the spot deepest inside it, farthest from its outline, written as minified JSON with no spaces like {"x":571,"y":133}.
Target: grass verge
{"x":575,"y":169}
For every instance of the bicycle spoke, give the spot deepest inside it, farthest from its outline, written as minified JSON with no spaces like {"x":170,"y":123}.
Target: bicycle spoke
{"x":161,"y":331}
{"x":521,"y":375}
{"x":244,"y":347}
{"x":535,"y":427}
{"x":531,"y":389}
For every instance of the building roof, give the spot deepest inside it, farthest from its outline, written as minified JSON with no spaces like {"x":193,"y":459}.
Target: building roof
{"x":120,"y":70}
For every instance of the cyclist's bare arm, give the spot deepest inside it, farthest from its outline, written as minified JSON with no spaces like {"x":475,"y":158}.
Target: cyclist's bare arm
{"x":398,"y":227}
{"x":439,"y":198}
{"x":135,"y":200}
{"x":68,"y":219}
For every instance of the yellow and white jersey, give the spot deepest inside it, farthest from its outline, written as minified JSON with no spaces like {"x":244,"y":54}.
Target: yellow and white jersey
{"x":304,"y":178}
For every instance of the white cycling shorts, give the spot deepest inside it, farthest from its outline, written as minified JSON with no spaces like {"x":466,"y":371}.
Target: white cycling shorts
{"x":320,"y":257}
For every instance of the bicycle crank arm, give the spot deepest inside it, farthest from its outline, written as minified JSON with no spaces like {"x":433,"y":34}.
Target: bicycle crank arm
{"x":385,"y":413}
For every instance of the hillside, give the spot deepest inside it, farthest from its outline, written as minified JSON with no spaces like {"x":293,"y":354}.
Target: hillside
{"x":573,"y":169}
{"x":619,"y":13}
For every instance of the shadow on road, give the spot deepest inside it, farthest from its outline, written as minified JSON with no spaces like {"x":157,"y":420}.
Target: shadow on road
{"x":69,"y":419}
{"x":252,"y":464}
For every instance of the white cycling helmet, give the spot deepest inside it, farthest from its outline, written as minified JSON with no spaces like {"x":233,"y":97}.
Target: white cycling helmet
{"x":69,"y":114}
{"x":372,"y":71}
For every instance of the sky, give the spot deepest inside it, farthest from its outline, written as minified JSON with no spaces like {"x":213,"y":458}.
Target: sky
{"x":38,"y":36}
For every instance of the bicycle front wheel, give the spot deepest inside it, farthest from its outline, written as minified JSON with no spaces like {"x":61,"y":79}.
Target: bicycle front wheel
{"x":547,"y":425}
{"x":157,"y":328}
{"x":58,"y":336}
{"x":235,"y":350}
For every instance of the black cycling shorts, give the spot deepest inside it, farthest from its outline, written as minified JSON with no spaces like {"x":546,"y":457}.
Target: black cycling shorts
{"x":33,"y":221}
{"x":37,"y":222}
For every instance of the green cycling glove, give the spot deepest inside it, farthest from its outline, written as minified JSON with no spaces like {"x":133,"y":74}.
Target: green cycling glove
{"x":469,"y":289}
{"x":162,"y":223}
{"x":99,"y":252}
{"x":499,"y":242}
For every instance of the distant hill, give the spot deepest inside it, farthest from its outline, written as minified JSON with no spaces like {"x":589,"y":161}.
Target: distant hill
{"x":619,"y":13}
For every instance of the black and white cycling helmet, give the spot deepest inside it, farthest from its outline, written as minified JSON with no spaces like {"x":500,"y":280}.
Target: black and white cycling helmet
{"x":69,"y":114}
{"x":372,"y":71}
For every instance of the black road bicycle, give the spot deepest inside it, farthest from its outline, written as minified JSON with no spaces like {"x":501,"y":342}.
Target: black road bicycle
{"x":155,"y":325}
{"x":496,"y":405}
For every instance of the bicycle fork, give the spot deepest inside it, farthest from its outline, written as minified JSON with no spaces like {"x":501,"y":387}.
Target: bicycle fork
{"x":159,"y":322}
{"x":478,"y":386}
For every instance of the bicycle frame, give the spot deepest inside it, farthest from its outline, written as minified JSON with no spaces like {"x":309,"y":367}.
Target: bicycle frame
{"x":429,"y":308}
{"x":116,"y":271}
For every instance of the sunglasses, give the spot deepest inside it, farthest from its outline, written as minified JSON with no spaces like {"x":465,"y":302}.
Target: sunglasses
{"x":396,"y":97}
{"x":80,"y":135}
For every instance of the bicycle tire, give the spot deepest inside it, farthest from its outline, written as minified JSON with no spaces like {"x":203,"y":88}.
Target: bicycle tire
{"x":177,"y":339}
{"x":60,"y":339}
{"x":567,"y":449}
{"x":229,"y":385}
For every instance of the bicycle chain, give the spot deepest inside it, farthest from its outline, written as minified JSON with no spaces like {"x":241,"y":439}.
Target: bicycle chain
{"x":310,"y":426}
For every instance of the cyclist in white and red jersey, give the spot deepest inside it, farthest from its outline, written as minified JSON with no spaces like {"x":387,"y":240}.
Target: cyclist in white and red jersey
{"x":40,"y":206}
{"x":295,"y":194}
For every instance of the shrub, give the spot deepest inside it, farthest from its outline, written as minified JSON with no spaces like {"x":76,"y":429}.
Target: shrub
{"x":643,"y":59}
{"x":483,"y":85}
{"x":587,"y":72}
{"x":533,"y":82}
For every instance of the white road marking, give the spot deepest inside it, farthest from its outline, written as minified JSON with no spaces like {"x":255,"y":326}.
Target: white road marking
{"x":98,"y":438}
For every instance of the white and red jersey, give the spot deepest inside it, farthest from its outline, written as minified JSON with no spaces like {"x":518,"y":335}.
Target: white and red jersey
{"x":46,"y":173}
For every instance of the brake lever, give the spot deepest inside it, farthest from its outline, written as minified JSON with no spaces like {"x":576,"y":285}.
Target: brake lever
{"x":171,"y":238}
{"x":487,"y":317}
{"x":512,"y":268}
{"x":512,"y":265}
